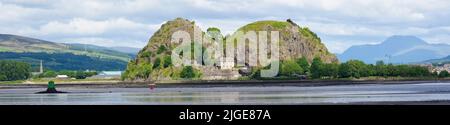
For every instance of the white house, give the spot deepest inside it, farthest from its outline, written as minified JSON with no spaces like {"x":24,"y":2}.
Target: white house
{"x":62,"y":77}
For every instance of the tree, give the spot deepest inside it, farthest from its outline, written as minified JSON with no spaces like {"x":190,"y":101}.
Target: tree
{"x":353,"y":68}
{"x":380,"y":69}
{"x":357,"y":68}
{"x":330,"y":70}
{"x":303,"y":62}
{"x":344,"y":70}
{"x":3,"y":78}
{"x":14,"y":70}
{"x":392,"y":70}
{"x":290,"y":68}
{"x":80,"y":75}
{"x":435,"y":74}
{"x":187,"y":72}
{"x":146,"y":54}
{"x":167,"y":61}
{"x":161,"y":49}
{"x":315,"y":67}
{"x":157,"y":63}
{"x":444,"y":74}
{"x":49,"y":74}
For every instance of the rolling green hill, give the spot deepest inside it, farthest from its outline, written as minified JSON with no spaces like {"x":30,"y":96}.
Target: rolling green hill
{"x":60,"y":56}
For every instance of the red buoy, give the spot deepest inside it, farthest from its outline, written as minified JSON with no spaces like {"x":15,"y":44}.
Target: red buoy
{"x":152,"y":86}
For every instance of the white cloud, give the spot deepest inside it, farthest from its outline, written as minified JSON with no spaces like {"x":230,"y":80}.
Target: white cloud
{"x":340,"y":22}
{"x":438,"y":38}
{"x":12,"y":13}
{"x":105,"y":42}
{"x":91,"y":27}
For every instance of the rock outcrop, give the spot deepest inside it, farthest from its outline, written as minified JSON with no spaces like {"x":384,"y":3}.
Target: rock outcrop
{"x":295,"y":41}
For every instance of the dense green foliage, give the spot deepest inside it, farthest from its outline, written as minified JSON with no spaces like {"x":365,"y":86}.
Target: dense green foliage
{"x":315,"y":68}
{"x":72,"y":74}
{"x":48,"y":74}
{"x":141,"y":71}
{"x":290,"y":68}
{"x":330,"y":70}
{"x":157,"y":63}
{"x":303,"y":62}
{"x":161,"y":49}
{"x":444,"y":74}
{"x":187,"y":72}
{"x":14,"y":70}
{"x":357,"y":69}
{"x":65,"y":61}
{"x":349,"y":69}
{"x":167,"y":61}
{"x":146,"y":54}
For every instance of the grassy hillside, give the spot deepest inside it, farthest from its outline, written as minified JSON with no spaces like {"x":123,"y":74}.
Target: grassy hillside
{"x":59,"y":56}
{"x":13,"y":43}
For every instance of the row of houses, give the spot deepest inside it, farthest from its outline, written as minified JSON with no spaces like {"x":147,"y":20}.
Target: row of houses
{"x":438,"y":69}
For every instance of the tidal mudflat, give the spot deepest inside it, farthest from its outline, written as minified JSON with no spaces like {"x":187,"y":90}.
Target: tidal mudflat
{"x":234,"y":95}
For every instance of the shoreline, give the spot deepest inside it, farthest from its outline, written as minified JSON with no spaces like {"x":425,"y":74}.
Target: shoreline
{"x":222,"y":83}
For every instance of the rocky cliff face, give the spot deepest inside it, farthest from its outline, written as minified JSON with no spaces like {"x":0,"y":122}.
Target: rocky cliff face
{"x":159,"y":44}
{"x":295,"y":42}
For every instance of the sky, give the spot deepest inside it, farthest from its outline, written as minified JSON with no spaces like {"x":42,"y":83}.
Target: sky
{"x":339,"y":23}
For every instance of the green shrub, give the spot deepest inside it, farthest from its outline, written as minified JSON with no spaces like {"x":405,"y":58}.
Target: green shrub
{"x":316,"y":65}
{"x":167,"y":61}
{"x":157,"y":63}
{"x":146,"y":54}
{"x":161,"y":49}
{"x":187,"y":72}
{"x":303,"y":62}
{"x":290,"y":68}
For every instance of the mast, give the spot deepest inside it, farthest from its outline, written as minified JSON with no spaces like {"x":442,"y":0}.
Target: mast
{"x":41,"y":68}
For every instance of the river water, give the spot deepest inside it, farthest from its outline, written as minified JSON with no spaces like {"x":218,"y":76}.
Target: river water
{"x":342,"y":94}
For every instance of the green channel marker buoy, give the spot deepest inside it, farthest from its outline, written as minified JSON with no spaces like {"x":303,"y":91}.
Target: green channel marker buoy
{"x":51,"y":87}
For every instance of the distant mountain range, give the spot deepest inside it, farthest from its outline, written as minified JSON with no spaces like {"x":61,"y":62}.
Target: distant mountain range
{"x":78,"y":56}
{"x":129,"y":50}
{"x":445,"y":60}
{"x":397,"y":49}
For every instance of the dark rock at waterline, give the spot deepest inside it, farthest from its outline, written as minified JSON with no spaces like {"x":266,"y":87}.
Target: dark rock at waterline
{"x":50,"y":90}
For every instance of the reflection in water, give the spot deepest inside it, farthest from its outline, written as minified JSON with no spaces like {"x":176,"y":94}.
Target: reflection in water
{"x":233,"y":95}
